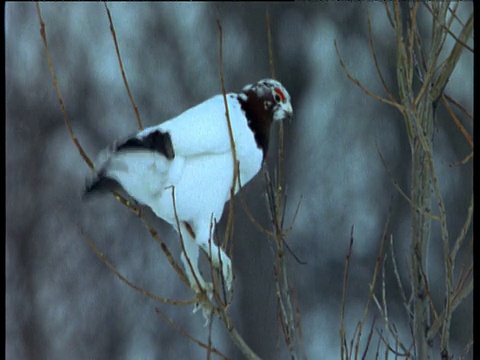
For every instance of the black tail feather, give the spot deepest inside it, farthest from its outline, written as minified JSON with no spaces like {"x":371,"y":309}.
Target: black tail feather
{"x":100,"y":185}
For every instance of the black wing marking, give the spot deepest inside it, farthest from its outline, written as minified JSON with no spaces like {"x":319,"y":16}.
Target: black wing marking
{"x":155,"y":141}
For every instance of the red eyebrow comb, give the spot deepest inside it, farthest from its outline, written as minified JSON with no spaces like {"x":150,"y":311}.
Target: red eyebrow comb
{"x":280,"y":93}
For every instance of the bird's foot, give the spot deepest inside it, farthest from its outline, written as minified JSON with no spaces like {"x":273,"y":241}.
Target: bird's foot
{"x":227,"y":271}
{"x":205,"y":297}
{"x":205,"y":289}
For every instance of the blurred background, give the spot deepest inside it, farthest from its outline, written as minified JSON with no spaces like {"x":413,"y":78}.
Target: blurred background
{"x":63,"y":302}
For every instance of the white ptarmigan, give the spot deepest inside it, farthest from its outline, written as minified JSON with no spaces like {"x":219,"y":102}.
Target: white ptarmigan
{"x":192,"y":155}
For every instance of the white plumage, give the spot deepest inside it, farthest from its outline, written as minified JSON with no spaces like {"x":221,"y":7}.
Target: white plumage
{"x":192,"y":154}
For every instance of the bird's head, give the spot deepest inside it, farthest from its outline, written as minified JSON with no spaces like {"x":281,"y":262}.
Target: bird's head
{"x":275,"y":98}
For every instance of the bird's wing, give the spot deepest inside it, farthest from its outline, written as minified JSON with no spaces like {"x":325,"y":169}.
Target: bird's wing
{"x":201,"y":129}
{"x":145,"y":163}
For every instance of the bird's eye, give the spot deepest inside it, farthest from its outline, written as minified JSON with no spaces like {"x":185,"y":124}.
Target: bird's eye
{"x":279,"y":96}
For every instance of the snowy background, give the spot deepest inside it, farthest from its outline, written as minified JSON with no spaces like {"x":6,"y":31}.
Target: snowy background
{"x":62,"y":301}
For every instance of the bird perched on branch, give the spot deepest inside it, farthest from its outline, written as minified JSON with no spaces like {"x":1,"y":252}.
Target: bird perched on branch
{"x":191,"y":155}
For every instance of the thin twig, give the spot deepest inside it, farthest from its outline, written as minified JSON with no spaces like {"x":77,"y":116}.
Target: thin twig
{"x":228,"y":230}
{"x":236,"y":337}
{"x":369,"y":339}
{"x":404,"y":195}
{"x":270,"y":44}
{"x":363,"y":88}
{"x":144,"y":292}
{"x":463,"y":231}
{"x":294,"y":218}
{"x":166,"y":251}
{"x":125,"y":81}
{"x":182,"y":332}
{"x":457,"y":122}
{"x":447,"y":28}
{"x":373,"y":282}
{"x":374,"y":54}
{"x":461,"y":107}
{"x":398,"y":278}
{"x":439,"y":85}
{"x":344,"y":347}
{"x":66,"y":118}
{"x":182,"y":243}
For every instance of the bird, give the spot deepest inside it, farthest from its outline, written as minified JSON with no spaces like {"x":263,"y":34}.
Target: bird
{"x":191,"y":158}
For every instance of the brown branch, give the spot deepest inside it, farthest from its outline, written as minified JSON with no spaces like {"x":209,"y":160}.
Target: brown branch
{"x":223,"y":313}
{"x":66,"y":118}
{"x":209,"y":344}
{"x":229,"y":228}
{"x":399,"y":280}
{"x":125,"y":81}
{"x":463,"y":231}
{"x":374,"y":54}
{"x":462,"y":108}
{"x":182,"y":243}
{"x":270,"y":44}
{"x":298,"y":323}
{"x":447,"y":28}
{"x":294,"y":218}
{"x":182,"y":332}
{"x":87,"y":160}
{"x":389,"y":15}
{"x":369,"y":339}
{"x":397,"y":354}
{"x":236,"y":337}
{"x":144,"y":292}
{"x":373,"y":282}
{"x":439,"y":85}
{"x":363,"y":88}
{"x":166,"y":251}
{"x":399,"y":189}
{"x":343,"y":338}
{"x":457,"y":122}
{"x":254,"y":221}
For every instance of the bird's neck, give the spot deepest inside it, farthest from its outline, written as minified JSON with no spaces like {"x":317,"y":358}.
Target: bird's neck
{"x":259,"y":119}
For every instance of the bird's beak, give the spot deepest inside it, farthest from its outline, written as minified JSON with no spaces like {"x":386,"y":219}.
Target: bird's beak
{"x":289,"y":113}
{"x":289,"y":109}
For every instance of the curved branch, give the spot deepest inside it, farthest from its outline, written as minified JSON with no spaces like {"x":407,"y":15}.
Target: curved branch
{"x":125,"y":81}
{"x":66,"y":118}
{"x":363,"y":88}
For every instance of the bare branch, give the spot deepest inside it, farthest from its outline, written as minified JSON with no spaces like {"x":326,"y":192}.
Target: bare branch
{"x":399,"y":280}
{"x":66,"y":118}
{"x":404,"y":195}
{"x":287,"y":231}
{"x":236,"y":337}
{"x":203,"y":292}
{"x":452,"y":59}
{"x":270,"y":43}
{"x":343,"y":338}
{"x":462,"y":108}
{"x":389,"y":16}
{"x":125,"y":81}
{"x":130,"y":284}
{"x":229,"y":228}
{"x":457,"y":122}
{"x":182,"y":332}
{"x":369,"y":340}
{"x":364,"y":89}
{"x":374,"y":54}
{"x":163,"y":246}
{"x":463,"y":232}
{"x":447,"y":28}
